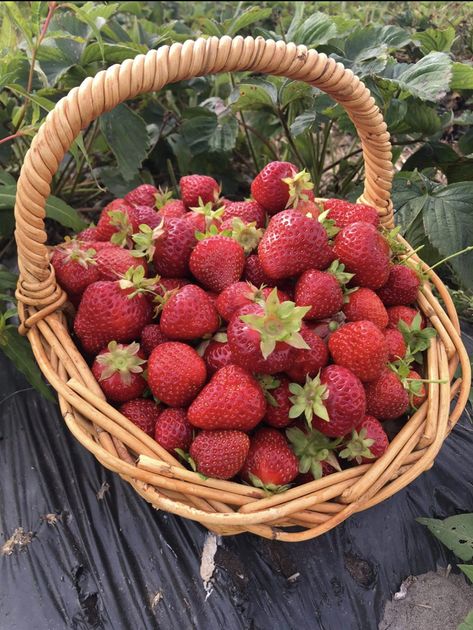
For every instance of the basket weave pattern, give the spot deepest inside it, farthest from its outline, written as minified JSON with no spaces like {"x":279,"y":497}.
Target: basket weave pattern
{"x":223,"y":506}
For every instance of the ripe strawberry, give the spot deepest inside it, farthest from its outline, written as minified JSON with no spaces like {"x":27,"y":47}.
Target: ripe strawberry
{"x":198,"y":187}
{"x":254,"y":273}
{"x":395,"y":344}
{"x":118,"y":369}
{"x":278,"y":185}
{"x":232,"y":399}
{"x":247,"y":211}
{"x":322,"y":290}
{"x":364,"y":304}
{"x":173,"y":249}
{"x":174,"y":208}
{"x":364,"y":252}
{"x":278,"y":397}
{"x":173,"y":430}
{"x":262,"y":338}
{"x":270,"y":463}
{"x":151,"y":336}
{"x":239,"y":294}
{"x":144,"y":195}
{"x":75,"y":267}
{"x":314,"y":450}
{"x":344,"y":213}
{"x":308,"y":206}
{"x":142,"y":412}
{"x":116,"y":223}
{"x":308,"y":362}
{"x":361,"y":347}
{"x":189,"y":314}
{"x":220,"y":454}
{"x":217,"y":262}
{"x":326,"y":468}
{"x":246,"y":234}
{"x":402,"y":313}
{"x":176,"y":373}
{"x":112,"y":311}
{"x":368,"y":442}
{"x":217,"y":355}
{"x":416,"y":388}
{"x":401,"y":288}
{"x":386,"y":398}
{"x":89,"y":234}
{"x":145,"y":215}
{"x":333,"y":402}
{"x":113,"y":262}
{"x":293,"y":243}
{"x":203,"y":216}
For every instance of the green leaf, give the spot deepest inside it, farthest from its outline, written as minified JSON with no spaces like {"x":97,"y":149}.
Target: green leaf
{"x":420,"y":118}
{"x":468,"y":623}
{"x":254,"y":96}
{"x":61,"y":212}
{"x":205,"y":131}
{"x":113,"y":53}
{"x":18,"y":350}
{"x":467,"y":570}
{"x":7,"y":197}
{"x":428,"y":79}
{"x":249,"y":16}
{"x":313,"y":31}
{"x":436,"y":154}
{"x":455,"y":532}
{"x":127,"y":137}
{"x":293,"y":91}
{"x":434,"y":39}
{"x":462,"y":77}
{"x":303,"y":122}
{"x":6,"y":179}
{"x":465,"y":143}
{"x":210,"y":27}
{"x":8,"y":280}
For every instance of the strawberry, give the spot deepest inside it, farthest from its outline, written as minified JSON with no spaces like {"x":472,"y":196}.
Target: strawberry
{"x":174,"y":208}
{"x":75,"y":267}
{"x":195,"y":188}
{"x":219,"y":454}
{"x":116,"y":223}
{"x":278,"y":185}
{"x":248,"y":211}
{"x":217,"y":262}
{"x":293,"y":243}
{"x":144,"y":195}
{"x":203,"y":216}
{"x":262,"y":337}
{"x":364,"y":252}
{"x":173,"y":430}
{"x":326,"y":468}
{"x":89,"y":234}
{"x":364,"y":304}
{"x":308,"y":362}
{"x":166,"y":285}
{"x":367,"y":442}
{"x":142,"y":412}
{"x":239,"y":294}
{"x":254,"y":273}
{"x":322,"y":290}
{"x":308,"y":206}
{"x":386,"y":397}
{"x":232,"y":399}
{"x":113,"y":311}
{"x":176,"y":373}
{"x":276,"y":391}
{"x":344,"y":213}
{"x":113,"y":262}
{"x":333,"y":402}
{"x":145,"y":215}
{"x":118,"y":369}
{"x":405,"y":314}
{"x":189,"y":314}
{"x":246,"y":234}
{"x":151,"y":336}
{"x":217,"y":355}
{"x":361,"y":347}
{"x":314,"y":450}
{"x":270,"y":463}
{"x":416,"y":388}
{"x":401,"y":288}
{"x":395,"y":344}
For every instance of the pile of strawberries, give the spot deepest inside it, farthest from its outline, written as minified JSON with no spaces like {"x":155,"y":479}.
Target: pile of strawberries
{"x":265,"y":339}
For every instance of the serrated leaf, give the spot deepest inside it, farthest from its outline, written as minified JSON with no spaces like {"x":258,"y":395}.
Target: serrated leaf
{"x":253,"y":96}
{"x":313,"y":31}
{"x":435,"y":154}
{"x":455,"y":532}
{"x":207,"y":132}
{"x":8,"y":280}
{"x":249,"y":16}
{"x":465,"y":143}
{"x":113,"y":53}
{"x":420,"y":118}
{"x":428,"y":79}
{"x":210,"y":27}
{"x":462,"y":77}
{"x":303,"y":122}
{"x":6,"y":179}
{"x":293,"y":91}
{"x":435,"y":39}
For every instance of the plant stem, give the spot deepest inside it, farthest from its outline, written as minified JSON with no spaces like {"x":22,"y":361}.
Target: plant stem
{"x":462,"y":251}
{"x":88,"y":146}
{"x":322,"y":153}
{"x":17,"y":134}
{"x":337,"y":162}
{"x":287,"y":133}
{"x":241,"y":116}
{"x":262,"y":139}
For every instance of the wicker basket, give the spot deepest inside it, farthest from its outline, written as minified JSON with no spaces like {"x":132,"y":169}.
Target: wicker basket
{"x":225,"y":507}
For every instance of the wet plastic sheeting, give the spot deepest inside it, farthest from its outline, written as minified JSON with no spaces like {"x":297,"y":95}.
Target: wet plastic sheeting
{"x":92,"y":554}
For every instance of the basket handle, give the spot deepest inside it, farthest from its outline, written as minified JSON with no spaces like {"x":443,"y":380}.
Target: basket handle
{"x":151,"y":72}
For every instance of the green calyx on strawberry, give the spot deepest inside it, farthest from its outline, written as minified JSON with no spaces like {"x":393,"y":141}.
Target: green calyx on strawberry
{"x":125,"y":230}
{"x":269,"y":488}
{"x":85,"y":258}
{"x":280,"y":321}
{"x":212,"y":231}
{"x":159,"y":301}
{"x":417,"y":339}
{"x":219,"y":336}
{"x":207,"y":211}
{"x":329,"y":224}
{"x":269,"y":382}
{"x":162,"y":197}
{"x":309,"y":399}
{"x":312,"y":448}
{"x":298,"y":185}
{"x":135,"y":281}
{"x":337,"y":269}
{"x":397,"y":248}
{"x":247,"y":234}
{"x":145,"y":240}
{"x":358,"y":447}
{"x":413,"y":386}
{"x":121,"y":358}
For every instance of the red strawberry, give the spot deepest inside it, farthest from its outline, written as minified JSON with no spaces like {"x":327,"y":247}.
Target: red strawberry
{"x":165,"y":285}
{"x":293,"y":243}
{"x":279,"y":403}
{"x":113,"y":262}
{"x":308,"y":206}
{"x":173,"y":430}
{"x":254,"y":273}
{"x":401,"y":288}
{"x":247,"y":211}
{"x":326,"y":468}
{"x":239,"y":294}
{"x":176,"y":373}
{"x":111,"y":311}
{"x":364,"y":252}
{"x":118,"y":369}
{"x":173,"y":249}
{"x":417,"y":390}
{"x":344,"y":213}
{"x":333,"y":403}
{"x":232,"y":399}
{"x":270,"y":463}
{"x":203,"y":217}
{"x":217,"y":262}
{"x":217,"y":355}
{"x":361,"y":347}
{"x":314,"y":450}
{"x":173,"y":209}
{"x":386,"y":398}
{"x":322,"y":291}
{"x":89,"y":234}
{"x":364,"y":304}
{"x":308,"y":362}
{"x":144,"y":195}
{"x":75,"y":267}
{"x":368,"y":442}
{"x":116,"y":223}
{"x":219,"y":454}
{"x":151,"y":336}
{"x":189,"y":314}
{"x":402,"y":313}
{"x":142,"y":412}
{"x":395,"y":344}
{"x":278,"y":185}
{"x":195,"y":188}
{"x":145,"y":215}
{"x":268,"y":436}
{"x":246,"y":234}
